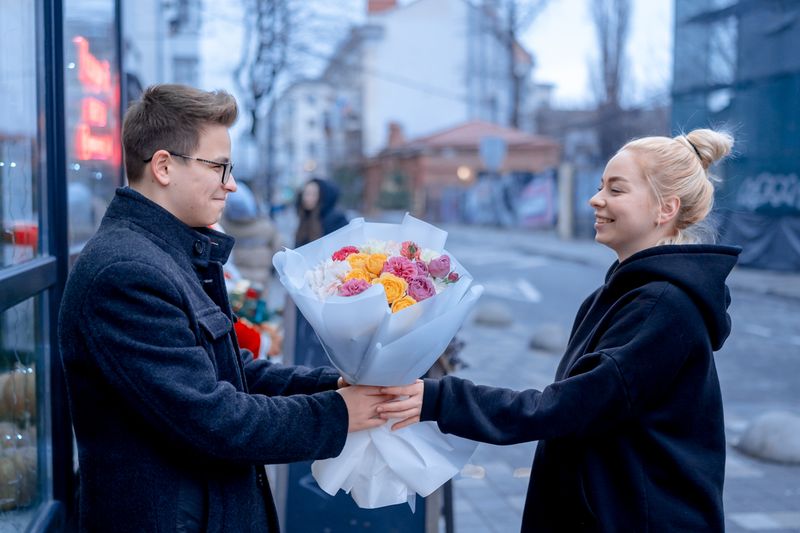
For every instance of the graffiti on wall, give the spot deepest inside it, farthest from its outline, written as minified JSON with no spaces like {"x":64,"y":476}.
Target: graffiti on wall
{"x":770,"y":193}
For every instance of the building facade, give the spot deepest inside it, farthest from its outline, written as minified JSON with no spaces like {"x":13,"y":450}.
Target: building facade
{"x":735,"y":64}
{"x":302,"y":114}
{"x":427,"y":65}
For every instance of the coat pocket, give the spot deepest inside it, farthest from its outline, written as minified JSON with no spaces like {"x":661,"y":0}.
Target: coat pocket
{"x":214,"y":322}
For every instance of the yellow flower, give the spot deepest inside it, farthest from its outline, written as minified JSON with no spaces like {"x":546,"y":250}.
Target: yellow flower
{"x":394,"y":286}
{"x":357,"y":260}
{"x":374,"y":263}
{"x":359,"y":273}
{"x":402,"y":303}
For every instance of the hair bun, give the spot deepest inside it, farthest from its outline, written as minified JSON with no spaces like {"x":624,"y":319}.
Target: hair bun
{"x":710,"y":145}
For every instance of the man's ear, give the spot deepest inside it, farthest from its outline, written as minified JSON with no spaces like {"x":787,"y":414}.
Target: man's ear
{"x":669,"y":209}
{"x":159,"y":167}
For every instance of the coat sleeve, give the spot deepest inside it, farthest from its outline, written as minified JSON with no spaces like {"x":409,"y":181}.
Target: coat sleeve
{"x":139,"y":338}
{"x":635,"y":362}
{"x":270,"y":379}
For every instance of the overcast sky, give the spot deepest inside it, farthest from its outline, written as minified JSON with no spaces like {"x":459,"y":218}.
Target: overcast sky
{"x":563,"y":41}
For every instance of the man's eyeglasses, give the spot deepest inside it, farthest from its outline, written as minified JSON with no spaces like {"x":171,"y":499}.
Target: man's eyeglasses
{"x":227,"y":168}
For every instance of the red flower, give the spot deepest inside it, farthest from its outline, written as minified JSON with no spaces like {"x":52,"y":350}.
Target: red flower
{"x":341,"y":255}
{"x":409,"y":250}
{"x":453,"y":276}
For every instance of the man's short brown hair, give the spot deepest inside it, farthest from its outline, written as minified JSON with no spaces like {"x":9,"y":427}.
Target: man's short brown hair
{"x":171,"y":117}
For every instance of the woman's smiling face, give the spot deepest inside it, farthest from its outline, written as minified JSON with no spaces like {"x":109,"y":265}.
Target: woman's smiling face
{"x":625,"y":207}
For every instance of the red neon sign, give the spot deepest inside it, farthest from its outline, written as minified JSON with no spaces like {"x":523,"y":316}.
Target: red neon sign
{"x":94,"y":76}
{"x":94,"y":112}
{"x":91,"y":146}
{"x":92,"y":73}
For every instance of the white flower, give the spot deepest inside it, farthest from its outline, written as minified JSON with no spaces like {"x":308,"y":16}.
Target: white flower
{"x":439,"y":285}
{"x":427,"y":254}
{"x":326,"y":278}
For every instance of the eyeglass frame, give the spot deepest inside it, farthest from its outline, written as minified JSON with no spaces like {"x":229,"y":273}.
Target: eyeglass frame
{"x":227,"y":168}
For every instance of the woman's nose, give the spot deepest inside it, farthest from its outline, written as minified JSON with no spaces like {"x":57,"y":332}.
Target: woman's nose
{"x":596,"y":200}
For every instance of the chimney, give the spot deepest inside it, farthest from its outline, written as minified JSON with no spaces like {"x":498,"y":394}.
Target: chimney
{"x":378,"y":6}
{"x":396,"y":137}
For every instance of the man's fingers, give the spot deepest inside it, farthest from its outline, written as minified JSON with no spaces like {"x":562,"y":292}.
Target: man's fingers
{"x":404,"y":390}
{"x":400,"y":405}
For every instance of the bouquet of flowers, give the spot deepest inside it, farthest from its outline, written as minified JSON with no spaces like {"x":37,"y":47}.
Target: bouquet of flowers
{"x":385,"y":300}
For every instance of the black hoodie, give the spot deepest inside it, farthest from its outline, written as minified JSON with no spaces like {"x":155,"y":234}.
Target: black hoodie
{"x":631,"y":431}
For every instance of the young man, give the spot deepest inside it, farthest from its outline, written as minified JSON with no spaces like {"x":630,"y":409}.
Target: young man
{"x":173,"y":423}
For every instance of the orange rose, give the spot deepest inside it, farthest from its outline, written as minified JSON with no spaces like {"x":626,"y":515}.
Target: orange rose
{"x":374,"y":263}
{"x":394,"y":286}
{"x":402,"y":303}
{"x":359,"y":273}
{"x":357,"y":260}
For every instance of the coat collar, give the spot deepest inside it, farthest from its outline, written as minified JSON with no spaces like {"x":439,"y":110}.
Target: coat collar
{"x":199,"y":245}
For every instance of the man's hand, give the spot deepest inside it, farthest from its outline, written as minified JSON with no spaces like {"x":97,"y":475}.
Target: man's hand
{"x":362,"y":402}
{"x":408,"y":409}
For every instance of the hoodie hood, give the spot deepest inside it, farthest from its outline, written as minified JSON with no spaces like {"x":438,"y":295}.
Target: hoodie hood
{"x":328,"y":196}
{"x":699,"y":270}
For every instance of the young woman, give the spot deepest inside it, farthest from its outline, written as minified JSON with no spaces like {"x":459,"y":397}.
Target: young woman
{"x":631,"y":433}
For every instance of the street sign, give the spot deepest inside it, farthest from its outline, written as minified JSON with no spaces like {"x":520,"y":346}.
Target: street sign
{"x":492,"y":152}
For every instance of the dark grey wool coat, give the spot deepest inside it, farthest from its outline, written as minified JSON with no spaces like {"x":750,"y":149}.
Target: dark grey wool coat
{"x":170,"y":418}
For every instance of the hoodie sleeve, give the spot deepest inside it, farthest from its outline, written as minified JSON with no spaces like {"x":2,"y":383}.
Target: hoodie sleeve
{"x":634,"y":363}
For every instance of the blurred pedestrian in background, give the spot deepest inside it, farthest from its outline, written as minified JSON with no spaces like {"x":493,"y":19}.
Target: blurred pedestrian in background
{"x":317,"y":216}
{"x":257,"y":239}
{"x":631,"y":434}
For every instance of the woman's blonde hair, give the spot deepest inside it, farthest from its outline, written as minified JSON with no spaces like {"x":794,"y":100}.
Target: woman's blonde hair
{"x":678,"y":167}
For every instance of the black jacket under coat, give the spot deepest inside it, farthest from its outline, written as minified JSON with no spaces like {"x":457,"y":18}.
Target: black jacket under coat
{"x":631,"y":434}
{"x":170,"y":418}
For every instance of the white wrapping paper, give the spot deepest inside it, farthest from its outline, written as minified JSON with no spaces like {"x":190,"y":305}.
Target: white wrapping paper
{"x":370,"y":345}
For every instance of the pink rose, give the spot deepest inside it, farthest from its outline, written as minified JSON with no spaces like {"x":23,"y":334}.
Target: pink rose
{"x":439,"y":267}
{"x":452,"y":277}
{"x":353,"y":286}
{"x":421,"y":288}
{"x":409,"y":250}
{"x":400,"y":267}
{"x":422,"y":268}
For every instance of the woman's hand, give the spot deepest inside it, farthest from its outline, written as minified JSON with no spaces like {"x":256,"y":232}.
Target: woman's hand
{"x":408,"y":409}
{"x":362,"y":402}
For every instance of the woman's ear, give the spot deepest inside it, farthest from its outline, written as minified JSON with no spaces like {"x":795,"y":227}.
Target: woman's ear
{"x":669,"y":210}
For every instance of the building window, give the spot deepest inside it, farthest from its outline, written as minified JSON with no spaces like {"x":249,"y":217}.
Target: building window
{"x":185,"y":70}
{"x":723,"y":53}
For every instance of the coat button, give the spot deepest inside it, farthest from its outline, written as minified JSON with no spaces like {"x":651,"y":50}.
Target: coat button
{"x":198,"y":247}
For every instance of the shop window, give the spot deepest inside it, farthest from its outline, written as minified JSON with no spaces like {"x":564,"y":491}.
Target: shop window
{"x":92,"y":93}
{"x":24,"y":481}
{"x":19,"y":173}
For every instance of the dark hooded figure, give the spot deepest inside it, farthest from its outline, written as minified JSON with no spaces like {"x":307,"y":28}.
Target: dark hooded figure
{"x":318,"y":216}
{"x":316,"y":210}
